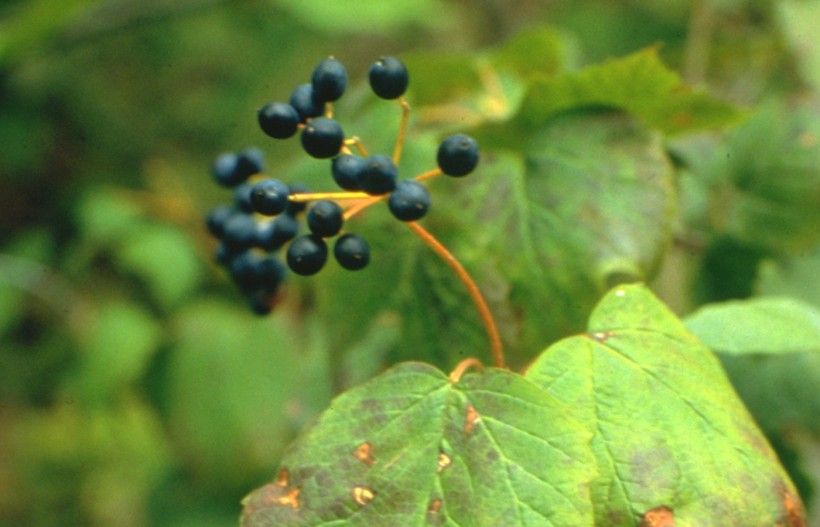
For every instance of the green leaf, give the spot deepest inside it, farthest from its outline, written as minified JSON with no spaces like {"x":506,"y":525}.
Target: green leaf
{"x":411,"y":448}
{"x":795,"y":277}
{"x":539,"y":52}
{"x":105,"y":215}
{"x":770,"y":348}
{"x":589,"y":203}
{"x":370,"y":16}
{"x":239,"y":386}
{"x":760,"y":325}
{"x":117,"y":346}
{"x":668,"y":428}
{"x":801,"y":24}
{"x":165,"y":259}
{"x":766,"y":181}
{"x":639,"y":83}
{"x":488,"y":85}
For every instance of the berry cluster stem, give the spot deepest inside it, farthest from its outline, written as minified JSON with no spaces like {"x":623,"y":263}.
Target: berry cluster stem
{"x":355,"y":141}
{"x":304,"y":197}
{"x":462,"y":367}
{"x":496,"y":347}
{"x":405,"y":116}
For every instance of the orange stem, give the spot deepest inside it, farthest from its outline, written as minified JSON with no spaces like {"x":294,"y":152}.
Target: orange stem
{"x":405,"y":115}
{"x":496,"y":347}
{"x":462,"y":367}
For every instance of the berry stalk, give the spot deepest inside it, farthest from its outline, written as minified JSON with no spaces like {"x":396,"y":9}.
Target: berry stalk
{"x":496,"y":347}
{"x":304,"y":197}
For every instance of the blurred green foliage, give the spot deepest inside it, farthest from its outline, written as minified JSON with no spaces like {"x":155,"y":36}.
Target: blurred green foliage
{"x":137,"y":389}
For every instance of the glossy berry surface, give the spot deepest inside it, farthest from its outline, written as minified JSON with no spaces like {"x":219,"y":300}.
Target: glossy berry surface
{"x":322,"y":138}
{"x":329,"y":80}
{"x":346,"y":170}
{"x":379,"y":175}
{"x":352,"y":252}
{"x":278,"y":120}
{"x":388,"y":78}
{"x":324,"y":218}
{"x":305,"y":103}
{"x":307,"y":254}
{"x":269,"y":196}
{"x":410,"y":201}
{"x":457,"y":155}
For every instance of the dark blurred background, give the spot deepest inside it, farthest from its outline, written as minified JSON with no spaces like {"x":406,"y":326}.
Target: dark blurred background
{"x":136,"y":388}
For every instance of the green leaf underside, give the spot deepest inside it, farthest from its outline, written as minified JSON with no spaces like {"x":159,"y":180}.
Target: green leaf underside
{"x":668,"y":428}
{"x":521,"y":461}
{"x":761,"y":325}
{"x":590,"y":203}
{"x":639,"y":83}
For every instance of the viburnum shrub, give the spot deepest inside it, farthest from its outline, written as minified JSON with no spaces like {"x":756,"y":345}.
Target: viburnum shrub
{"x":631,"y":423}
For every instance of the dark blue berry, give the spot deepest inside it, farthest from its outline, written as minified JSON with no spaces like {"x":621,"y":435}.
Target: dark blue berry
{"x":261,"y":302}
{"x":286,"y":227}
{"x":410,"y":201}
{"x":251,"y":161}
{"x":457,"y":155}
{"x":295,"y":207}
{"x":215,"y":221}
{"x":379,"y":175}
{"x":322,"y":137}
{"x":269,"y":196}
{"x":242,"y":197}
{"x":305,"y":103}
{"x":347,"y":170}
{"x":244,"y":269}
{"x":226,"y":170}
{"x":389,"y":78}
{"x":324,"y":218}
{"x":224,"y":254}
{"x":329,"y":80}
{"x":270,"y":273}
{"x":307,"y":254}
{"x":278,"y":120}
{"x":271,"y":235}
{"x":352,"y":252}
{"x":239,"y":231}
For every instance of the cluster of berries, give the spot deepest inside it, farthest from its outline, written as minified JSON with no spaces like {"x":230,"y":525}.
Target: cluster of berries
{"x":264,"y":215}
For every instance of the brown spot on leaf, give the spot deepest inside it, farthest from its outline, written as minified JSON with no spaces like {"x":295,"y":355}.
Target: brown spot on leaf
{"x":363,"y":495}
{"x":795,"y":515}
{"x":276,"y":495}
{"x":435,"y":506}
{"x":658,"y":517}
{"x":470,"y":419}
{"x":444,"y":461}
{"x":364,"y":453}
{"x":601,"y":336}
{"x":283,"y":478}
